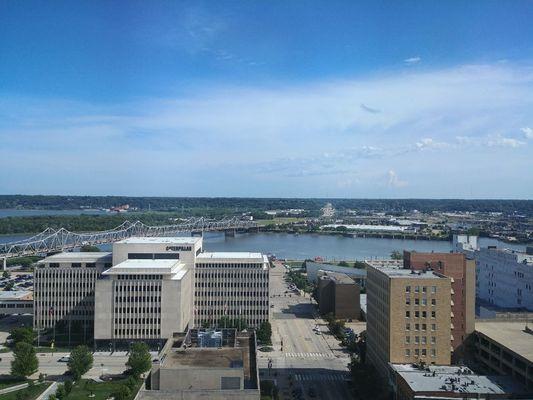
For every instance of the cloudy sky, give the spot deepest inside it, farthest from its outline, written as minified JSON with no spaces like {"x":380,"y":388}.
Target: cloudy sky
{"x":267,"y":98}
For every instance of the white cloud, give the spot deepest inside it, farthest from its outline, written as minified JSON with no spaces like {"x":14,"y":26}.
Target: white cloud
{"x":528,"y":132}
{"x":501,"y":141}
{"x":394,"y":181}
{"x":412,"y":60}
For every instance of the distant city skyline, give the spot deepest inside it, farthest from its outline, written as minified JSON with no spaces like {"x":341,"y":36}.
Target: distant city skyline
{"x":267,"y":99}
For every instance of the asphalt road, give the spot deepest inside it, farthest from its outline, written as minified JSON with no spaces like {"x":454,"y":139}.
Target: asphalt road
{"x":307,"y":360}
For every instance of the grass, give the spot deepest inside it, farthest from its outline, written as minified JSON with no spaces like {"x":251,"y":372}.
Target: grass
{"x":11,"y":381}
{"x":278,"y":220}
{"x":101,"y":390}
{"x":31,"y":393}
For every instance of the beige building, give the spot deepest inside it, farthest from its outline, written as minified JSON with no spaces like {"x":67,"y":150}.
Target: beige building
{"x":408,"y":317}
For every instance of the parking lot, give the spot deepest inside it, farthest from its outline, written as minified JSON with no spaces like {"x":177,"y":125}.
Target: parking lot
{"x":17,"y":281}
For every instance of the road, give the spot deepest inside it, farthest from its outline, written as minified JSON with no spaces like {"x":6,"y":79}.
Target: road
{"x":307,"y":360}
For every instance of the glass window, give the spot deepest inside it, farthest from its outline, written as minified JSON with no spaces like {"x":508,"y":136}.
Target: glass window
{"x":433,"y":314}
{"x":407,"y":352}
{"x":433,"y":352}
{"x":408,"y":339}
{"x":433,"y":289}
{"x":417,"y":289}
{"x":408,"y":289}
{"x":407,"y":301}
{"x":408,"y":326}
{"x":407,"y":314}
{"x":433,"y":327}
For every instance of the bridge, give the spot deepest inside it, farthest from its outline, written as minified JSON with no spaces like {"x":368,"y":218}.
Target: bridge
{"x":57,"y":240}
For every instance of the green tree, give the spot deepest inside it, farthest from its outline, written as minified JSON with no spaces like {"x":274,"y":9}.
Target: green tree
{"x":68,"y":387}
{"x":264,"y":333}
{"x":26,"y":335}
{"x":343,"y":264}
{"x":139,"y":360}
{"x":25,"y":361}
{"x":87,"y":248}
{"x":5,"y":274}
{"x":9,"y":286}
{"x":60,"y":392}
{"x":396,"y":255}
{"x":80,"y":361}
{"x":121,"y":393}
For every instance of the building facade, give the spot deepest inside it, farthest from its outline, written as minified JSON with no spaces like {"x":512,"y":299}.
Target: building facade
{"x":16,"y":302}
{"x":462,"y":274}
{"x":408,"y":317}
{"x":338,"y":294}
{"x":504,"y":278}
{"x":232,"y":285}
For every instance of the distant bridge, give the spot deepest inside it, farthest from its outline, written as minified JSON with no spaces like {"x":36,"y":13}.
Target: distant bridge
{"x":56,"y":240}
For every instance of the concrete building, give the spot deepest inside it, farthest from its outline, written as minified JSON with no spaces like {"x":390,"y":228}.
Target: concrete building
{"x":465,"y":244}
{"x":408,"y":317}
{"x":357,"y":274}
{"x":338,"y":294}
{"x":206,"y":365}
{"x":462,"y":274}
{"x":412,"y":382}
{"x":506,"y":347}
{"x":504,"y":278}
{"x":234,"y":285}
{"x":64,"y":289}
{"x":146,"y":288}
{"x":16,"y":302}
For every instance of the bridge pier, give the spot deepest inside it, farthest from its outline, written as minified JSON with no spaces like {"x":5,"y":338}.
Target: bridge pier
{"x":229,"y":232}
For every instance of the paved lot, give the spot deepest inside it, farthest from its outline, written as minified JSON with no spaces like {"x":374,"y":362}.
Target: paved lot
{"x":307,"y":360}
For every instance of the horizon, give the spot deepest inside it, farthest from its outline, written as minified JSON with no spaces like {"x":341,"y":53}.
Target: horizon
{"x":258,"y":100}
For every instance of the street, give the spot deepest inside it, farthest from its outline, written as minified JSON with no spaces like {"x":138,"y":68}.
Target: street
{"x":314,"y":363}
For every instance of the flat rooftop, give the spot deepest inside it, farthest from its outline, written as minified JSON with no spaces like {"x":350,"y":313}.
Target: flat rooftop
{"x":339,"y":277}
{"x":204,"y":358}
{"x":454,"y":379}
{"x":407,"y":273}
{"x":230,"y":256}
{"x":16,"y":295}
{"x":87,"y":257}
{"x":510,"y":335}
{"x":161,"y":240}
{"x":144,"y":267}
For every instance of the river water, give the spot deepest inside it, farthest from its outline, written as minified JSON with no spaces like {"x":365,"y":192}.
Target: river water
{"x":286,"y":245}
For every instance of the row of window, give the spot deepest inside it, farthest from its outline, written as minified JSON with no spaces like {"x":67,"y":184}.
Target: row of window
{"x":243,"y":311}
{"x":16,"y":305}
{"x":229,"y":265}
{"x":137,"y":299}
{"x":421,"y":314}
{"x":418,"y":327}
{"x":230,"y":303}
{"x":421,"y":339}
{"x":131,"y":277}
{"x":138,"y":320}
{"x":418,"y":301}
{"x":138,"y":310}
{"x":231,"y":284}
{"x":421,"y":352}
{"x":232,"y":294}
{"x":134,"y":332}
{"x":153,"y":256}
{"x":417,"y":289}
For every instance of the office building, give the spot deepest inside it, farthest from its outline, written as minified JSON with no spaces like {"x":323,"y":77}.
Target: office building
{"x":462,"y":273}
{"x":205,"y":364}
{"x":504,"y":278}
{"x":338,"y":294}
{"x":408,"y":317}
{"x":232,"y":285}
{"x":357,"y":274}
{"x":64,"y":289}
{"x":506,"y":347}
{"x":145,"y":289}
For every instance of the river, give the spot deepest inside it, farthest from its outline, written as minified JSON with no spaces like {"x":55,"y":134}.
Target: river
{"x":286,"y":245}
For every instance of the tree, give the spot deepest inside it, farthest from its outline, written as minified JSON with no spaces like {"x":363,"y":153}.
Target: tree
{"x":60,"y":392}
{"x":68,"y":387}
{"x":26,"y":335}
{"x":25,"y":361}
{"x":5,"y":274}
{"x":139,"y":360}
{"x":264,"y":333}
{"x":121,"y":393}
{"x":9,"y":286}
{"x":80,"y":361}
{"x":396,"y":255}
{"x":343,"y":264}
{"x":87,"y":248}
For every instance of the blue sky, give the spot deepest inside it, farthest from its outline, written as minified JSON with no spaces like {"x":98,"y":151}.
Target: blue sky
{"x":267,"y":98}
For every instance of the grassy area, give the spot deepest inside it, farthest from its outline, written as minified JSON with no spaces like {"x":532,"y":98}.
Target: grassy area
{"x":101,"y":390}
{"x":11,"y":381}
{"x":30,"y":393}
{"x":278,"y":221}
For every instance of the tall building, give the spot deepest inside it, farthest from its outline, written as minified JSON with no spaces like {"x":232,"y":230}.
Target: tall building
{"x":145,"y":289}
{"x":505,"y":278}
{"x":233,"y":285}
{"x":462,"y":273}
{"x":64,"y":290}
{"x":408,"y":317}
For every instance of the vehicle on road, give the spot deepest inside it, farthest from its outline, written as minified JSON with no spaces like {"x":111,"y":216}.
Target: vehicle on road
{"x":64,"y":359}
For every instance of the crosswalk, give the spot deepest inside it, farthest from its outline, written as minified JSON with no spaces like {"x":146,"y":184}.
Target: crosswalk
{"x":336,"y":377}
{"x":309,"y":355}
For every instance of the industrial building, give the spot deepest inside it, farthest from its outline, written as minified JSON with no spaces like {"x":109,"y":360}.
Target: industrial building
{"x":147,"y":288}
{"x":205,"y":364}
{"x":338,"y":294}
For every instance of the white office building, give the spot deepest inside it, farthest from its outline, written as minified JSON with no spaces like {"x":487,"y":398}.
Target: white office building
{"x":149,"y":288}
{"x":504,"y":278}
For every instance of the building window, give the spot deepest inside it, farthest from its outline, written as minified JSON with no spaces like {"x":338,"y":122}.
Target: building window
{"x":424,"y":340}
{"x":417,"y":302}
{"x":417,"y":339}
{"x":424,"y":353}
{"x":407,"y":301}
{"x":408,"y":339}
{"x":417,"y":327}
{"x":417,"y":289}
{"x":433,"y":289}
{"x":407,"y":353}
{"x":433,"y":302}
{"x":408,"y":289}
{"x":433,"y":352}
{"x":408,"y":326}
{"x":433,"y":314}
{"x":433,"y":327}
{"x":417,"y":314}
{"x":433,"y":340}
{"x":407,"y":314}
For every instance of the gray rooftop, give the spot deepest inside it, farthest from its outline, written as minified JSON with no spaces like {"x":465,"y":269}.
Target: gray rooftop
{"x":80,"y":257}
{"x":144,"y":267}
{"x":204,"y":358}
{"x":162,"y":240}
{"x":510,"y":335}
{"x":16,"y":295}
{"x":407,"y":273}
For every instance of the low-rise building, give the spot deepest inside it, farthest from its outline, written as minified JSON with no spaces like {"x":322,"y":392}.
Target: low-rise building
{"x":427,"y":382}
{"x":357,"y":274}
{"x":338,"y":294}
{"x":205,"y":365}
{"x":506,"y":347}
{"x":16,"y":302}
